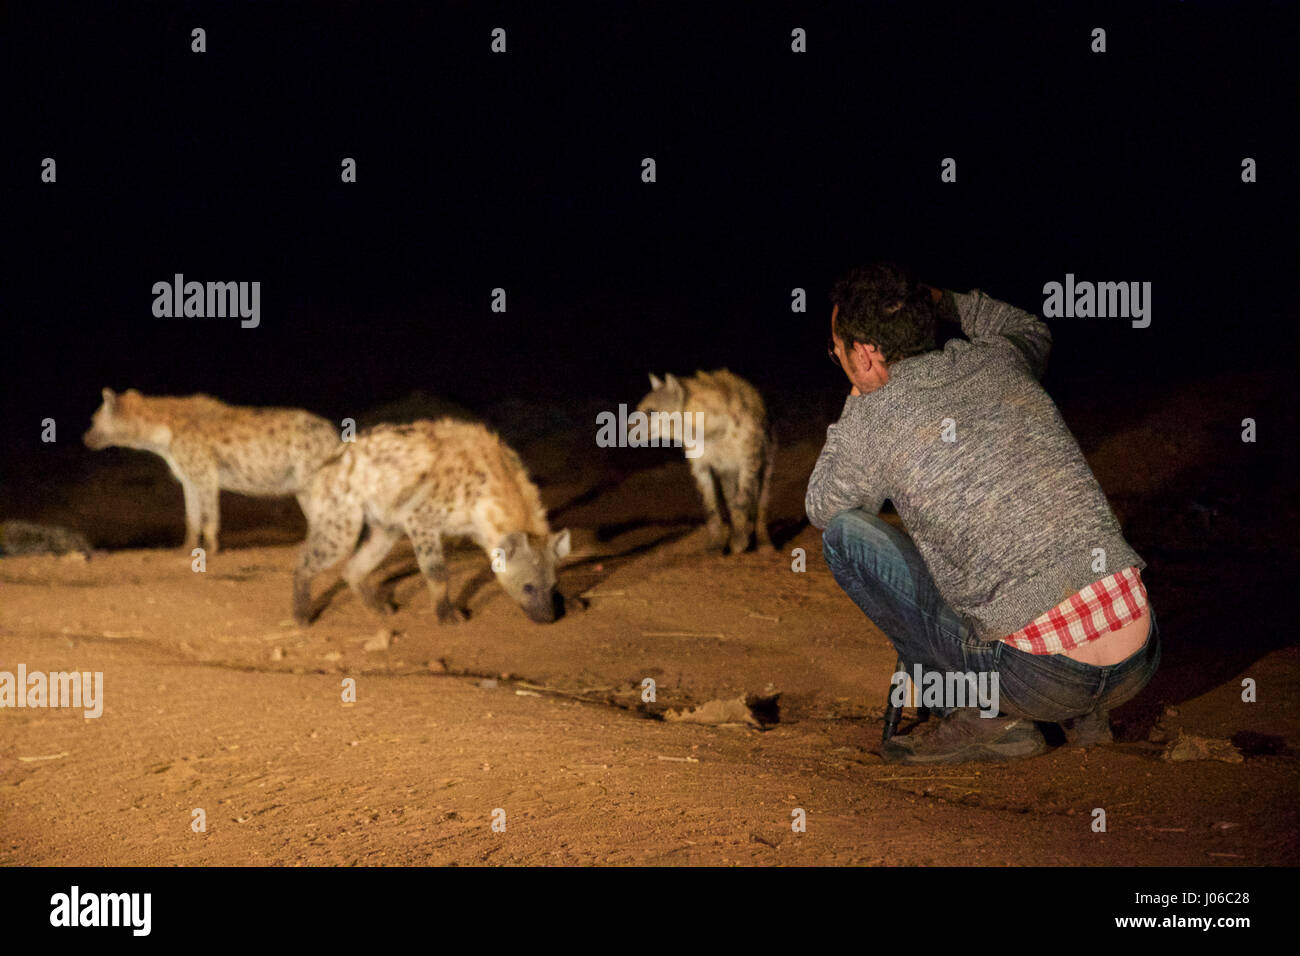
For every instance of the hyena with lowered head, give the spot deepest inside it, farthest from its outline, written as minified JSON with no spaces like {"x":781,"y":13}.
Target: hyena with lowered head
{"x":736,"y":448}
{"x":209,"y":445}
{"x":429,"y":481}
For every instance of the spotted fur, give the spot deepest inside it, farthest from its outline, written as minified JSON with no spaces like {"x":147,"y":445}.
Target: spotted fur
{"x":429,"y":481}
{"x":209,"y":445}
{"x":738,"y":449}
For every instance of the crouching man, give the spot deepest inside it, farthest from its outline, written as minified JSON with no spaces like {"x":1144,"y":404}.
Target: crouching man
{"x":1014,"y":570}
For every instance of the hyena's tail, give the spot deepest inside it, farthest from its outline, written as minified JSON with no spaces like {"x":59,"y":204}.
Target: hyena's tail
{"x":765,"y":492}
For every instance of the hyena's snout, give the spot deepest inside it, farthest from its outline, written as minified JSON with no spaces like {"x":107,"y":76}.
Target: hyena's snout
{"x":526,"y":570}
{"x":544,"y":607}
{"x":93,"y":440}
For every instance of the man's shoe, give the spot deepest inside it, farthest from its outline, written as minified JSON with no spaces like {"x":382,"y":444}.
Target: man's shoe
{"x":1089,"y":730}
{"x":965,"y":736}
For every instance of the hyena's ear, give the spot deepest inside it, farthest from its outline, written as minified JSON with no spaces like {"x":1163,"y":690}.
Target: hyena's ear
{"x":560,"y":544}
{"x":670,"y":380}
{"x":109,"y":397}
{"x":655,"y":383}
{"x":512,"y":543}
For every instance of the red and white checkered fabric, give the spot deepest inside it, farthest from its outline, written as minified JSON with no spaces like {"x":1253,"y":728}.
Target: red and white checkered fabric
{"x":1097,"y":610}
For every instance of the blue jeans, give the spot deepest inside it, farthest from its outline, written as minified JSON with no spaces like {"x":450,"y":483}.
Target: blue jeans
{"x":880,"y":568}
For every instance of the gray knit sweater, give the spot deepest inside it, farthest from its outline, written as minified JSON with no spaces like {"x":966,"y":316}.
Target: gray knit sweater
{"x":1007,"y":515}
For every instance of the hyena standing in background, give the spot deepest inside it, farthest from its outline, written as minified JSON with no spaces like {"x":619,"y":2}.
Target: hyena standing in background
{"x":209,"y":445}
{"x":429,"y":481}
{"x":737,"y":447}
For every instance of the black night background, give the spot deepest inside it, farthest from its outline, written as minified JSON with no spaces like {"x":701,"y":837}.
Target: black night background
{"x":521,"y":171}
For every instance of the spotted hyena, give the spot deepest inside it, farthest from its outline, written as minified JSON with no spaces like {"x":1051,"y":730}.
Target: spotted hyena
{"x":736,"y":449}
{"x":429,"y":481}
{"x":209,"y":445}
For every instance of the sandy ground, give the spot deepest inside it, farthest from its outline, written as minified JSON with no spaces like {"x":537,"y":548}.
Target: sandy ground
{"x":215,"y":700}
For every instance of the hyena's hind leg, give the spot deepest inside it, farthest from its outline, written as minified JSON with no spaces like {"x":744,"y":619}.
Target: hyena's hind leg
{"x":764,"y":494}
{"x":426,"y":538}
{"x":365,"y":560}
{"x":329,"y":538}
{"x":707,"y":483}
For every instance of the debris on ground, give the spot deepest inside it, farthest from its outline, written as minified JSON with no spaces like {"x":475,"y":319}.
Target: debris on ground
{"x":1191,"y":747}
{"x":735,"y":711}
{"x":380,"y":642}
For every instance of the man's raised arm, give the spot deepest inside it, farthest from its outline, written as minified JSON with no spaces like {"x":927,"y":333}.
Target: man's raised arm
{"x":986,"y":319}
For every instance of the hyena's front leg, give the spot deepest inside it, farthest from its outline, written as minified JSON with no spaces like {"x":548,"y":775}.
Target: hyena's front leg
{"x":193,"y":514}
{"x":210,"y":507}
{"x":741,"y":490}
{"x":707,"y":484}
{"x":366,"y":559}
{"x":427,"y":541}
{"x":744,"y":506}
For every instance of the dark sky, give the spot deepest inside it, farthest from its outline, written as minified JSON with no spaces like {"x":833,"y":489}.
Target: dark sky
{"x":522,"y":170}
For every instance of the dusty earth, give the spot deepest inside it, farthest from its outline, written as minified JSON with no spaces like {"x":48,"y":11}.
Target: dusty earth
{"x":214,"y":700}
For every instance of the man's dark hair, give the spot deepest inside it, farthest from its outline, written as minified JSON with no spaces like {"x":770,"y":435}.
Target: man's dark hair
{"x":881,"y":305}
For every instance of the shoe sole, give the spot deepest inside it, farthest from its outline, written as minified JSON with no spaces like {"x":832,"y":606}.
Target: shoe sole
{"x":980,"y":753}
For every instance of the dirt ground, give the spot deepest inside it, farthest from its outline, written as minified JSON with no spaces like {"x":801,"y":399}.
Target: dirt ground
{"x":215,"y":700}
